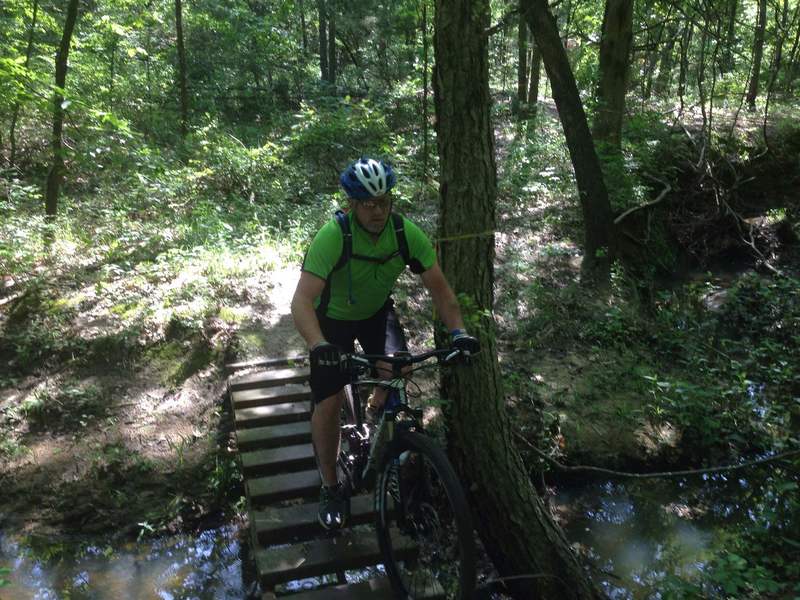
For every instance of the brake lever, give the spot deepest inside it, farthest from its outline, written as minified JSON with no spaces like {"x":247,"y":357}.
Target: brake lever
{"x":451,"y":356}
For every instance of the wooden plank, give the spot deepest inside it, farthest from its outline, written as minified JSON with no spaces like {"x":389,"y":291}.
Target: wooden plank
{"x":271,"y":378}
{"x":294,"y":392}
{"x":286,"y":486}
{"x":265,"y":362}
{"x":371,"y":589}
{"x":277,"y":414}
{"x":289,"y":434}
{"x":349,"y":550}
{"x":278,"y":460}
{"x":279,"y":525}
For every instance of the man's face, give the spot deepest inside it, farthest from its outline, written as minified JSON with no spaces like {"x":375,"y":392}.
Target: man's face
{"x":372,"y":214}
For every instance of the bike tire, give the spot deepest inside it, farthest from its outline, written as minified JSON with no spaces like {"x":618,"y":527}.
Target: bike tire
{"x":419,"y":499}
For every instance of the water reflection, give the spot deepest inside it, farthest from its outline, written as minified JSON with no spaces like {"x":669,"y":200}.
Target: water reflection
{"x":205,"y":567}
{"x":632,"y":536}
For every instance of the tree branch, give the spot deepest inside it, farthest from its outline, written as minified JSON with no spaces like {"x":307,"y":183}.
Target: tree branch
{"x":584,"y":469}
{"x":505,"y":21}
{"x":667,"y":189}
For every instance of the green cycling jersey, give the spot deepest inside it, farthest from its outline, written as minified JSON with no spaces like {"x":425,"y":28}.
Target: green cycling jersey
{"x":372,"y":282}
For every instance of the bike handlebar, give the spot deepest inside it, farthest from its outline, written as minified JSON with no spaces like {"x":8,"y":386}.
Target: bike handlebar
{"x":354,"y":360}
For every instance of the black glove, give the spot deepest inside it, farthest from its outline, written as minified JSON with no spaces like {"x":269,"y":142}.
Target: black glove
{"x":325,"y":355}
{"x":326,"y":374}
{"x":460,"y":340}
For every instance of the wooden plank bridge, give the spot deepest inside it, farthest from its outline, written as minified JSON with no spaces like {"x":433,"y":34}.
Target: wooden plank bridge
{"x":272,"y":412}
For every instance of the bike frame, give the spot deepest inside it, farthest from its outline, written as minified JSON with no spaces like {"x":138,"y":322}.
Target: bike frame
{"x":360,"y":443}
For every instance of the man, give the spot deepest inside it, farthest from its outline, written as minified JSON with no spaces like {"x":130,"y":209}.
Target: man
{"x":335,"y":304}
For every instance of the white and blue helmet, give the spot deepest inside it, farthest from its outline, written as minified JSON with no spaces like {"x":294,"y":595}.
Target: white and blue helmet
{"x":367,"y":178}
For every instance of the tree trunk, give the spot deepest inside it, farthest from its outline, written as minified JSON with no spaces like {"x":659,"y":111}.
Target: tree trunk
{"x":730,"y":37}
{"x":593,"y":195}
{"x":615,"y":49}
{"x":323,"y":40}
{"x":515,"y":526}
{"x":758,"y":53}
{"x":665,"y":62}
{"x":535,"y":78}
{"x":303,"y":28}
{"x":15,"y":112}
{"x":56,"y":173}
{"x":791,"y":68}
{"x":686,"y":40}
{"x":184,"y":94}
{"x":331,"y":42}
{"x":424,"y":111}
{"x":650,"y":61}
{"x":780,"y":37}
{"x":522,"y":65}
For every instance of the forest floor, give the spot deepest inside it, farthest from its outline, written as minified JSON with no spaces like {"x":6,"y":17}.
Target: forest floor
{"x":122,"y":426}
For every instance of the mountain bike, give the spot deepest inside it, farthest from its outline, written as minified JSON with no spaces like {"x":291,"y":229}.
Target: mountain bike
{"x":423,"y":519}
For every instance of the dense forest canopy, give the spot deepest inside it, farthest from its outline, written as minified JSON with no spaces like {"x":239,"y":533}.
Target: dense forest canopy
{"x":163,"y":165}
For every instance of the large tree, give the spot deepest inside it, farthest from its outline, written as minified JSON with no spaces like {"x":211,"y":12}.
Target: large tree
{"x":182,"y":88}
{"x":758,"y":54}
{"x":593,"y":195}
{"x":615,"y":50}
{"x":56,"y":173}
{"x":515,"y":526}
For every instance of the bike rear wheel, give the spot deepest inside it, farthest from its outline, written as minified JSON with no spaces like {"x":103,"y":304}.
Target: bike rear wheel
{"x":423,"y":522}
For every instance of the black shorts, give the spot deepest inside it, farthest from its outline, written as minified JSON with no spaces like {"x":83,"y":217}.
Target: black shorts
{"x":379,"y":334}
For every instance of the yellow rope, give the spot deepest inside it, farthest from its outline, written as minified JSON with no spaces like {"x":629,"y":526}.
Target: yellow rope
{"x":455,"y":238}
{"x":465,"y":236}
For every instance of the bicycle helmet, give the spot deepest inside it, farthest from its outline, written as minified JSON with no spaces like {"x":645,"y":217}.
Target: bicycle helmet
{"x":367,"y":178}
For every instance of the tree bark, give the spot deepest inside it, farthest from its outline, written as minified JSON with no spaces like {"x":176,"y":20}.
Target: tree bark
{"x":424,"y":27}
{"x":791,"y":68}
{"x":651,"y":60}
{"x":535,"y":78}
{"x":516,"y":528}
{"x":303,"y":29}
{"x":615,"y":50}
{"x":56,"y":173}
{"x":730,"y":37}
{"x":592,"y":192}
{"x":12,"y":159}
{"x":331,"y":42}
{"x":780,"y":37}
{"x":686,"y":40}
{"x":323,"y":40}
{"x":182,"y":89}
{"x":758,"y":53}
{"x":522,"y":65}
{"x":665,"y":62}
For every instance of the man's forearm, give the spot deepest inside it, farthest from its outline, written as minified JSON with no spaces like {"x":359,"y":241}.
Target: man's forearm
{"x":306,"y":322}
{"x":446,"y":304}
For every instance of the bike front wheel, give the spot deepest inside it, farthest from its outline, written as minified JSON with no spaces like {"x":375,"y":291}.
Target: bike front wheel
{"x":423,"y":522}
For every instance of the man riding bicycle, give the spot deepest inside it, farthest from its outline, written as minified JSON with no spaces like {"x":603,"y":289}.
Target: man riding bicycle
{"x":344,"y":294}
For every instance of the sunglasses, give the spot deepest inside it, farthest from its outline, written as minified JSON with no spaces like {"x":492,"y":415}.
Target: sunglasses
{"x":382,"y":203}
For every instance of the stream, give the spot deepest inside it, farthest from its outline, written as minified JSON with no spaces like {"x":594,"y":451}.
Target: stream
{"x":635,"y":534}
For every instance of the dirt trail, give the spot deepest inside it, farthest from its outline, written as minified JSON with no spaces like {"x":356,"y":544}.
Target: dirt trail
{"x":152,"y":455}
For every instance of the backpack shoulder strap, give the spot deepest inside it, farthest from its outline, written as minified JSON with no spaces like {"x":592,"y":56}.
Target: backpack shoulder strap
{"x":344,"y":257}
{"x":402,"y":243}
{"x":347,"y":239}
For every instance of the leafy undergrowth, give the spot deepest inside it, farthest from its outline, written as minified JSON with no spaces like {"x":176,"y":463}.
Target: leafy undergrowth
{"x":691,"y":359}
{"x":116,"y":318}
